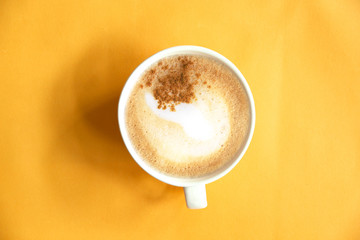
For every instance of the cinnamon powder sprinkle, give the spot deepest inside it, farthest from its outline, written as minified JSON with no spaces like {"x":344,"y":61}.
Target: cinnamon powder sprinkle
{"x":175,"y":86}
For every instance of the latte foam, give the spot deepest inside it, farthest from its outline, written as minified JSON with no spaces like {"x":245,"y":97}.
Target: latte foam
{"x":188,"y":116}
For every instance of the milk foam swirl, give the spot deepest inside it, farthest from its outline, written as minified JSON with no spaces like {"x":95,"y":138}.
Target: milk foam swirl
{"x":196,"y":129}
{"x":190,"y":118}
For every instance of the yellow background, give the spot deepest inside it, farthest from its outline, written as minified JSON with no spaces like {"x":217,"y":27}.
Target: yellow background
{"x":66,"y":174}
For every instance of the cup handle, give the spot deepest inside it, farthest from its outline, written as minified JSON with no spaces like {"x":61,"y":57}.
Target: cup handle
{"x":195,"y":196}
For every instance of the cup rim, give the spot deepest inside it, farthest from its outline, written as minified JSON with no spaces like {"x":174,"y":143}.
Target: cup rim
{"x":128,"y":87}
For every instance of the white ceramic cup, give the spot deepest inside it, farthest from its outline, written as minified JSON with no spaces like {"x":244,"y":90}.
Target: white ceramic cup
{"x":194,"y":188}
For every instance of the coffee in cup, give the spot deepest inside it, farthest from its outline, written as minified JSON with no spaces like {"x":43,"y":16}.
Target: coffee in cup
{"x":188,"y":115}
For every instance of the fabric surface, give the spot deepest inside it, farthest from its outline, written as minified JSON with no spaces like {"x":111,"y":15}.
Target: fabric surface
{"x":66,"y":174}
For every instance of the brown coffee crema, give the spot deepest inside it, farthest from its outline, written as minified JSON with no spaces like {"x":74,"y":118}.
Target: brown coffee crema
{"x":213,"y":92}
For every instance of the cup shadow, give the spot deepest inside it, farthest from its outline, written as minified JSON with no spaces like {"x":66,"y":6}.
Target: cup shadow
{"x":85,"y":137}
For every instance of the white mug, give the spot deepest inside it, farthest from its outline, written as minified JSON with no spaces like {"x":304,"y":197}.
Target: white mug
{"x":194,"y":188}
